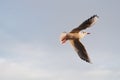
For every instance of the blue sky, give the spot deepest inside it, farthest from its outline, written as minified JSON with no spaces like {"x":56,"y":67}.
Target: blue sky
{"x":30,"y":47}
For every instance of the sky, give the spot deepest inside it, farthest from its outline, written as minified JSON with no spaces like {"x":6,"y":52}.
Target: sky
{"x":30,"y":48}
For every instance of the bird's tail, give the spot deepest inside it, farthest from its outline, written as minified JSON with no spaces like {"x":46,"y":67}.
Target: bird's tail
{"x":63,"y":37}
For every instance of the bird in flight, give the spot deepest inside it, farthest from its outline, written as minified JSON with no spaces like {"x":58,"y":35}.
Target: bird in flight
{"x":76,"y":34}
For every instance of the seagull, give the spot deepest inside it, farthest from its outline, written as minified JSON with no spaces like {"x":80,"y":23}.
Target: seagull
{"x":76,"y":34}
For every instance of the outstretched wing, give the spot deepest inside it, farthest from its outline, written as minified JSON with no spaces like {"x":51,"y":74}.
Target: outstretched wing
{"x":80,"y":49}
{"x":86,"y":24}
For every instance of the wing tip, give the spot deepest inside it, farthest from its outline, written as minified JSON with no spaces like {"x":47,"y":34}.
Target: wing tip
{"x":94,"y":19}
{"x":96,"y":16}
{"x":87,"y":60}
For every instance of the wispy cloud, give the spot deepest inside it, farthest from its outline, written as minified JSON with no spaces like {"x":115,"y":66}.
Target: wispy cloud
{"x":15,"y":70}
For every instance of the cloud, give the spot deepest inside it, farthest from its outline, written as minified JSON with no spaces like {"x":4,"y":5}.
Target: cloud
{"x":14,"y":70}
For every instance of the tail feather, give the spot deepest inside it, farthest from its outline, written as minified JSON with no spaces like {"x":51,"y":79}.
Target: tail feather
{"x":62,"y":36}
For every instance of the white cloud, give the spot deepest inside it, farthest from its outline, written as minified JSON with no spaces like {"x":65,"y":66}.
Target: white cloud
{"x":11,"y":70}
{"x":98,"y":73}
{"x":19,"y":70}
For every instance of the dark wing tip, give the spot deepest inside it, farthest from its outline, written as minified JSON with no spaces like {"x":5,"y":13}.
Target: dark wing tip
{"x":86,"y":24}
{"x":85,"y":58}
{"x":80,"y":49}
{"x":95,"y":16}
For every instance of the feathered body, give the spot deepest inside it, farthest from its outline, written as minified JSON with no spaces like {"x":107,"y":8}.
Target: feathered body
{"x":76,"y":34}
